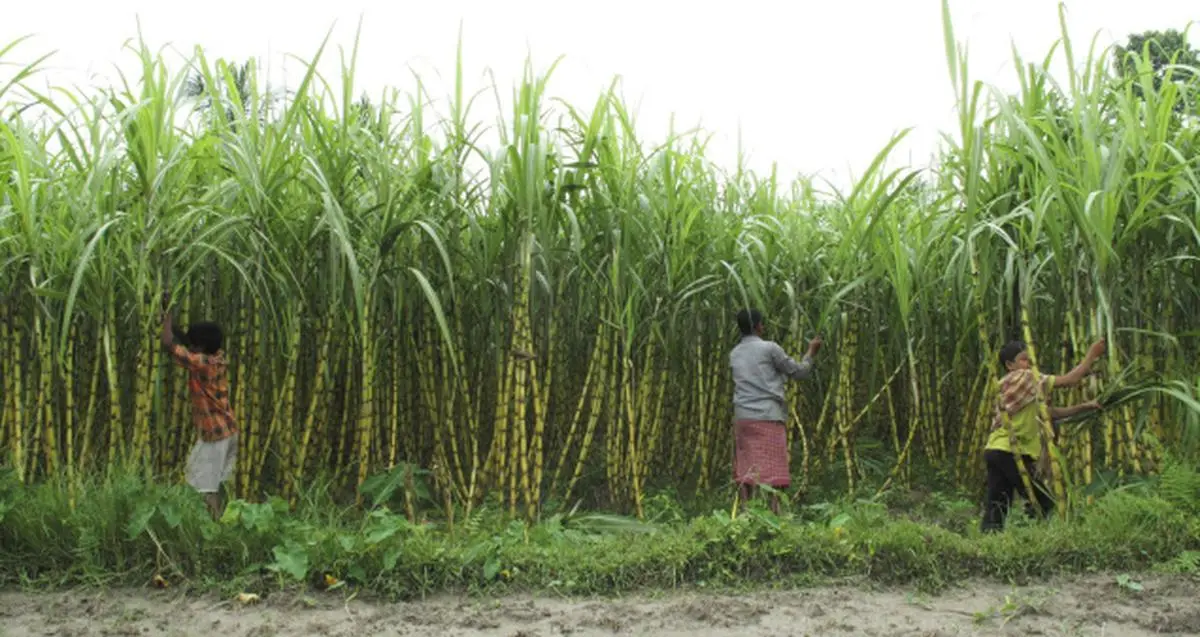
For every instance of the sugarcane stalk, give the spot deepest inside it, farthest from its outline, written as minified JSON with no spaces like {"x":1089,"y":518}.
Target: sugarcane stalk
{"x":580,"y":405}
{"x":281,"y":407}
{"x":45,"y":399}
{"x":116,"y":438}
{"x":16,"y":410}
{"x":69,"y":414}
{"x":311,"y":411}
{"x":605,"y":346}
{"x":902,"y":460}
{"x":89,"y":418}
{"x":366,"y":416}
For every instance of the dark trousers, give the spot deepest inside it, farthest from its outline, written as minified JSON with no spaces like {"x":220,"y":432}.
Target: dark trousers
{"x":1004,"y":482}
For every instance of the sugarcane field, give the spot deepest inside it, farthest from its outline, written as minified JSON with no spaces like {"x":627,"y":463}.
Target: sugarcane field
{"x":456,"y":356}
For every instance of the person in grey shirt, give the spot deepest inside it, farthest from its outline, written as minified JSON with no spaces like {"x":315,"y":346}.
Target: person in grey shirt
{"x":760,"y":371}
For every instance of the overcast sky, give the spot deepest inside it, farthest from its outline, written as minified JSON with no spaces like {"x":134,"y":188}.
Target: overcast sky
{"x":818,"y":86}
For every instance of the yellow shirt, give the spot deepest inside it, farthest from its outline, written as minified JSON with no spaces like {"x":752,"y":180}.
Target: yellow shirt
{"x":1026,"y":427}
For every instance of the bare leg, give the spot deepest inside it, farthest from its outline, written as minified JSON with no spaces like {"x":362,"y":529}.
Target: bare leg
{"x":747,"y":492}
{"x":213,"y":500}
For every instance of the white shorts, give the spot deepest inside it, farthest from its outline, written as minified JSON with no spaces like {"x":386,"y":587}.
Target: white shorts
{"x":211,"y":463}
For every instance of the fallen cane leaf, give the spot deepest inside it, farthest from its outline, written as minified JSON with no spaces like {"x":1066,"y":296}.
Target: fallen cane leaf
{"x":248,"y":598}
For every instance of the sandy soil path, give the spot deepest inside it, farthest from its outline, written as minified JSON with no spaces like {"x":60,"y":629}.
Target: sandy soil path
{"x":1094,"y":605}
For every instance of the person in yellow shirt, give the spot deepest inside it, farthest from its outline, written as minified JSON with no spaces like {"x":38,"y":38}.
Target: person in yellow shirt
{"x":1017,"y":429}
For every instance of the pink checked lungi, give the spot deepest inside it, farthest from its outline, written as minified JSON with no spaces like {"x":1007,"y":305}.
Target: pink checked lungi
{"x":760,"y":453}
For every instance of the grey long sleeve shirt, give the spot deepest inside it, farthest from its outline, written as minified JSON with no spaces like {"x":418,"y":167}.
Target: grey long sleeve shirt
{"x":760,"y":371}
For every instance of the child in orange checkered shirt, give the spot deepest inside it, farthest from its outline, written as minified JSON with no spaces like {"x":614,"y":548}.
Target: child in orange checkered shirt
{"x":215,"y":453}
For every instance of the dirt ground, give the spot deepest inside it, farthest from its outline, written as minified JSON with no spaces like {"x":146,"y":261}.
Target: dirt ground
{"x":1095,"y":605}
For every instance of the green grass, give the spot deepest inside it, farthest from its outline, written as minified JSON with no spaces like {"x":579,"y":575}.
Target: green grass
{"x":124,"y":530}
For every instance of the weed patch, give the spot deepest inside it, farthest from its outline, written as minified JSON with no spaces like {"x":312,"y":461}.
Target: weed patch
{"x":127,"y":531}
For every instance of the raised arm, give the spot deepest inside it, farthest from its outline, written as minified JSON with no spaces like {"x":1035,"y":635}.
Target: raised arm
{"x":789,"y":367}
{"x":178,"y":353}
{"x":1076,"y":376}
{"x":1059,"y":413}
{"x":168,"y":332}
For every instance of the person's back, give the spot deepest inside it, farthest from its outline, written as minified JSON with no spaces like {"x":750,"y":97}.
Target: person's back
{"x":758,"y":382}
{"x":208,"y":382}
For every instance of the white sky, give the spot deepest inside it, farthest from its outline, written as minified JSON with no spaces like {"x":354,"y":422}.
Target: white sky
{"x":818,"y":86}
